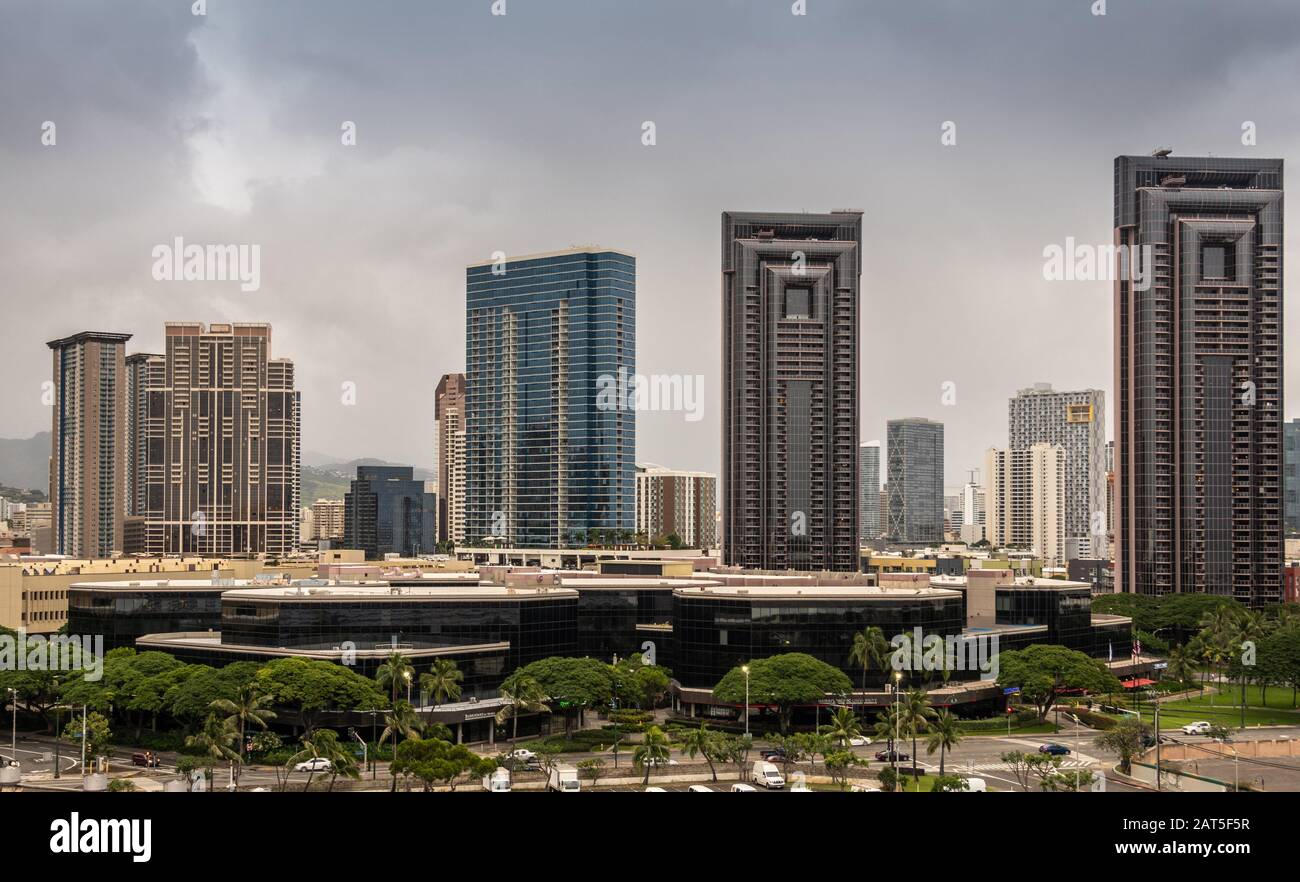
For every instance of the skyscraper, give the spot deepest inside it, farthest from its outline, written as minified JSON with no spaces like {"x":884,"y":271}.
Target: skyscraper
{"x":88,"y":444}
{"x":914,"y":449}
{"x":869,"y":491}
{"x":1291,"y":474}
{"x":1198,"y":374}
{"x":1077,"y":422}
{"x":672,"y":502}
{"x":387,"y":511}
{"x":449,"y":410}
{"x":138,"y":367}
{"x":221,"y":438}
{"x":790,"y":389}
{"x":550,"y":429}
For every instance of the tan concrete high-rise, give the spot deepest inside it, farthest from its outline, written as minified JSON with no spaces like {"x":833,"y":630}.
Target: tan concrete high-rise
{"x":1025,"y":503}
{"x":327,"y":519}
{"x":88,"y":444}
{"x":221,"y":439}
{"x":449,"y":410}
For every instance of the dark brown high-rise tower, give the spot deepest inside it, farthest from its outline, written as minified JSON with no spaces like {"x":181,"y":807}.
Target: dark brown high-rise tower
{"x":790,"y":389}
{"x":1198,"y":376}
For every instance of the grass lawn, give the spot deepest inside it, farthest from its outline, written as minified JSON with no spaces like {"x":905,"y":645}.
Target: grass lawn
{"x":1226,"y":709}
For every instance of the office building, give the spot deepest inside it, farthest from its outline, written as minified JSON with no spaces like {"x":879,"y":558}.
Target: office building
{"x":1077,"y":422}
{"x":973,"y":514}
{"x":677,"y":503}
{"x":550,"y":425}
{"x":869,"y":526}
{"x":449,"y":410}
{"x":790,"y":389}
{"x":1198,"y":374}
{"x":388,"y":512}
{"x":914,"y":448}
{"x":88,"y":444}
{"x":139,"y":367}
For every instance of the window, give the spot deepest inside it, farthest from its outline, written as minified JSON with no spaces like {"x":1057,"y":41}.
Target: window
{"x":798,"y":303}
{"x":1214,"y":261}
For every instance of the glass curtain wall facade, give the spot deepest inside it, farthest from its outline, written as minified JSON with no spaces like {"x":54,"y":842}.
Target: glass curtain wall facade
{"x":550,"y":429}
{"x":869,"y":492}
{"x":1198,"y":373}
{"x":387,"y":511}
{"x":915,"y":452}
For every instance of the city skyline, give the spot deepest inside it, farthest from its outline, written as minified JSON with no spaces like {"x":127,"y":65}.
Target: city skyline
{"x":263,"y":165}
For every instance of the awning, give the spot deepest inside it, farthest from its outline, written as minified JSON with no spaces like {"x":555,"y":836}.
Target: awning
{"x":1137,"y":682}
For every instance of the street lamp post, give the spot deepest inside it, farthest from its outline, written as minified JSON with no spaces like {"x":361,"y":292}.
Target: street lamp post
{"x":83,"y":741}
{"x":893,"y":751}
{"x":745,"y":668}
{"x":58,"y":736}
{"x":407,"y":677}
{"x":13,"y":744}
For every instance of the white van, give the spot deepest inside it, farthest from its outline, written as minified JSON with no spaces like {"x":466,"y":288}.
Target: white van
{"x":766,"y":773}
{"x":976,"y":785}
{"x":497,"y":782}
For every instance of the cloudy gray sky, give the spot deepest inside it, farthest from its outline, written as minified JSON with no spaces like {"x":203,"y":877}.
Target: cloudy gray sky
{"x":522,"y":132}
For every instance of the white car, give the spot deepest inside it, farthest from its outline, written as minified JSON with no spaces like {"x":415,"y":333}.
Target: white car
{"x":699,"y":788}
{"x":1200,"y":727}
{"x":743,"y":788}
{"x":859,"y":741}
{"x":319,"y":764}
{"x":654,"y":790}
{"x":655,"y":762}
{"x":522,"y":754}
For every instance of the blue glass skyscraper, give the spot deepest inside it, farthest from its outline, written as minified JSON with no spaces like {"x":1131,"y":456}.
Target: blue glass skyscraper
{"x":548,"y":457}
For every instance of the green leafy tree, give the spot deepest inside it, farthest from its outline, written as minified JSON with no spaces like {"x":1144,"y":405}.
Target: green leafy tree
{"x":593,"y":769}
{"x":949,"y":784}
{"x":99,"y":735}
{"x":434,"y":761}
{"x":309,"y":687}
{"x":573,"y":684}
{"x":1043,"y":671}
{"x":400,"y":722}
{"x":1126,"y":739}
{"x":784,"y":681}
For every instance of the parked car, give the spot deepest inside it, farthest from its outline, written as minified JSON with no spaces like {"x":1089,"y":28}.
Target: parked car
{"x":1054,"y":749}
{"x":766,"y":774}
{"x":860,"y":788}
{"x":772,"y":754}
{"x":743,"y":788}
{"x":522,"y":754}
{"x":699,"y":788}
{"x":654,"y":790}
{"x":892,"y":756}
{"x":655,"y":762}
{"x":319,"y":764}
{"x":1200,"y":727}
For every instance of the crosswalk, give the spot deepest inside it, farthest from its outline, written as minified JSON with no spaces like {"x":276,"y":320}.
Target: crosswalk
{"x":1006,"y":767}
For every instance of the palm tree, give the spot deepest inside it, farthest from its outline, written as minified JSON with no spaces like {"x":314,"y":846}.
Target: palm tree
{"x":1249,"y":626}
{"x":701,"y":740}
{"x":523,"y":694}
{"x":442,"y":682}
{"x":248,"y":706}
{"x":400,"y":721}
{"x":944,"y":733}
{"x":1182,"y":666}
{"x":869,"y":648}
{"x":887,"y":725}
{"x":843,"y":726}
{"x":214,"y":741}
{"x":395,"y":670}
{"x":653,"y":750}
{"x":916,"y":714}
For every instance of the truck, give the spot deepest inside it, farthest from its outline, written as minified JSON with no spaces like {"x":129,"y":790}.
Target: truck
{"x":497,"y":782}
{"x":564,"y":779}
{"x":767,"y":775}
